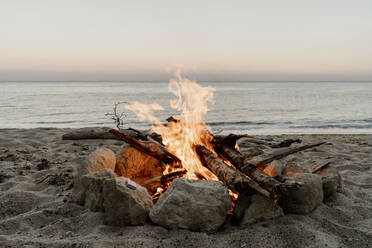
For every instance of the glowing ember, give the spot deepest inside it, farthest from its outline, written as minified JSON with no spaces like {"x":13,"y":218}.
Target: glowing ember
{"x":188,"y":129}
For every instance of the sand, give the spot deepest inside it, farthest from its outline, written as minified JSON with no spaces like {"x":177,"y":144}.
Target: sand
{"x":36,"y":211}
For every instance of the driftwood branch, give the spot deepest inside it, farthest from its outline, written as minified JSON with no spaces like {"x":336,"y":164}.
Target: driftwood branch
{"x":151,"y":148}
{"x":117,"y":116}
{"x":280,"y":155}
{"x":231,"y":177}
{"x":286,"y":143}
{"x":100,"y":133}
{"x":231,"y":139}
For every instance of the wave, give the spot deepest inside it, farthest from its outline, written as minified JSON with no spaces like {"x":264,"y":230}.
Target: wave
{"x":330,"y":126}
{"x":249,"y":123}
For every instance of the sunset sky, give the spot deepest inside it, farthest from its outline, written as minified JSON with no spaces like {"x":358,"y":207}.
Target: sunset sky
{"x":210,"y":40}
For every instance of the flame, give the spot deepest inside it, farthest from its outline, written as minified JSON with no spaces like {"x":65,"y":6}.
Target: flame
{"x":188,"y":129}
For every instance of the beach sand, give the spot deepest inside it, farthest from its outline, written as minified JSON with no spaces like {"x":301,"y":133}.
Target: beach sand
{"x":36,"y":211}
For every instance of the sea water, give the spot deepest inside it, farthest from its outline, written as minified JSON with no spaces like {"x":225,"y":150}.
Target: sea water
{"x":241,"y":107}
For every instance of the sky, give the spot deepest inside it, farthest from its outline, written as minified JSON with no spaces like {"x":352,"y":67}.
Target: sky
{"x":119,"y":40}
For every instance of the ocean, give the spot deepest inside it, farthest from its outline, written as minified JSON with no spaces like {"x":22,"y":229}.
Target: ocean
{"x":240,"y":107}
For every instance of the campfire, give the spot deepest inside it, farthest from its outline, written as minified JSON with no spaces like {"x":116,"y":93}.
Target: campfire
{"x":185,"y":147}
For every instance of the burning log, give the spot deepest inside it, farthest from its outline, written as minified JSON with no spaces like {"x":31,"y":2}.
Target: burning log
{"x":164,"y":179}
{"x":263,"y":162}
{"x":233,"y":178}
{"x":262,"y":179}
{"x":151,"y":147}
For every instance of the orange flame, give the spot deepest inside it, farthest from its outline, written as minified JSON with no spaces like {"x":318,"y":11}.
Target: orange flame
{"x":189,"y":129}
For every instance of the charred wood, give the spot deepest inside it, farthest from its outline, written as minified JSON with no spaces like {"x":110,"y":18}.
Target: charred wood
{"x":165,"y":178}
{"x":262,"y":179}
{"x":151,"y":148}
{"x":230,"y":176}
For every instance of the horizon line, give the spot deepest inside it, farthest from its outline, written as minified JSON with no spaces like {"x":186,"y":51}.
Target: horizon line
{"x":166,"y":80}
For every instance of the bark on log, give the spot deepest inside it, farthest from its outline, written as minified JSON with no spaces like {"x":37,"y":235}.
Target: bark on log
{"x":151,"y":148}
{"x":89,"y":133}
{"x":263,"y":180}
{"x":231,"y":177}
{"x":263,"y":162}
{"x":100,"y":133}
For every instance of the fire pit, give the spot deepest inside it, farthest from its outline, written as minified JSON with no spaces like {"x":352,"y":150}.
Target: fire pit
{"x":195,"y":178}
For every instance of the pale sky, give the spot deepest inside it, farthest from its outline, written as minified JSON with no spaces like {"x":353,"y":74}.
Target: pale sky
{"x":210,"y":40}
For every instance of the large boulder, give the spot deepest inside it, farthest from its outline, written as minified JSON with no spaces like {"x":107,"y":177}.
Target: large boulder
{"x":291,"y":169}
{"x":88,"y":189}
{"x":251,"y":209}
{"x":331,"y":180}
{"x":304,"y":199}
{"x":197,"y":205}
{"x":125,"y":202}
{"x":100,"y":159}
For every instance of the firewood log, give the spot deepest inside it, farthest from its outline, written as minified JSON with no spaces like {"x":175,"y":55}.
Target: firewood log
{"x":151,"y":148}
{"x":230,"y":176}
{"x":263,"y":180}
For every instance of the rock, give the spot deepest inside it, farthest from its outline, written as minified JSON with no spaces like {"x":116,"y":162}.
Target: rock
{"x":88,"y":189}
{"x":251,"y":209}
{"x":274,"y":168}
{"x":100,"y":159}
{"x":331,"y":180}
{"x":291,"y":169}
{"x":197,"y":205}
{"x":304,"y":199}
{"x":125,"y":202}
{"x":133,"y":163}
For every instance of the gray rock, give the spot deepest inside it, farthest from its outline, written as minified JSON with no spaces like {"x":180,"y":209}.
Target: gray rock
{"x":304,"y":199}
{"x":291,"y":169}
{"x":197,"y":205}
{"x":100,"y":159}
{"x":331,"y":180}
{"x":88,"y":190}
{"x":251,"y":209}
{"x":125,"y":202}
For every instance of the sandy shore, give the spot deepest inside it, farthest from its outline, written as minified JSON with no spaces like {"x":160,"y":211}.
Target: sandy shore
{"x":35,"y":210}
